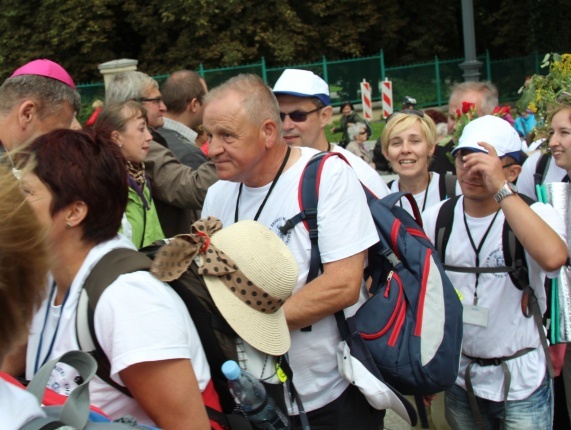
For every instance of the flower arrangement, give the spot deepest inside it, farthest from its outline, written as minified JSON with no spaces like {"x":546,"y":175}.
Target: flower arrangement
{"x":543,"y":92}
{"x":468,"y":113}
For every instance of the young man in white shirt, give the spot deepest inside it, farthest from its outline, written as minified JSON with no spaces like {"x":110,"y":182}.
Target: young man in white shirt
{"x":494,"y":325}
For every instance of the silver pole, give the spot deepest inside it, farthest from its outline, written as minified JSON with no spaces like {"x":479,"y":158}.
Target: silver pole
{"x":471,"y":65}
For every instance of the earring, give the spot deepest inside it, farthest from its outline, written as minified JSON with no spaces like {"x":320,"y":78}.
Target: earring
{"x":68,"y":225}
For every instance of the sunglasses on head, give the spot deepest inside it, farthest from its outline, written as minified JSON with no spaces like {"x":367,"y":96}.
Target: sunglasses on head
{"x":418,"y":113}
{"x":297,"y":115}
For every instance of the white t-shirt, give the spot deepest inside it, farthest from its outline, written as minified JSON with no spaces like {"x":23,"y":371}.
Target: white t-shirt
{"x":137,"y":319}
{"x":17,"y":407}
{"x":525,"y":180}
{"x":423,"y":200}
{"x":507,"y":331}
{"x":345,"y":229}
{"x":366,"y":174}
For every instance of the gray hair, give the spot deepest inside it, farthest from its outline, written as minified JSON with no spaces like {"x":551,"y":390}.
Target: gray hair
{"x":354,"y":130}
{"x":126,"y":86}
{"x":258,"y":99}
{"x":488,"y":91}
{"x":50,"y":94}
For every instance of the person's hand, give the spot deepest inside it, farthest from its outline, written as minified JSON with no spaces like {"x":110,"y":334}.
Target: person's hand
{"x":488,"y":165}
{"x":427,"y":400}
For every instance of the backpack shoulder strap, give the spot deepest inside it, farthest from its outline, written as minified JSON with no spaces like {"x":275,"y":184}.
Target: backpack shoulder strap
{"x":447,"y":186}
{"x":514,"y":254}
{"x":541,"y":169}
{"x":112,"y":265}
{"x":443,"y":228}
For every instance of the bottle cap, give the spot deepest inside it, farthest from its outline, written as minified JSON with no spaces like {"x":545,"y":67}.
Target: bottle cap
{"x":231,"y":370}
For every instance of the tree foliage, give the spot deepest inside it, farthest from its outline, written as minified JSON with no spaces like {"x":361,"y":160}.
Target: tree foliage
{"x":175,"y":34}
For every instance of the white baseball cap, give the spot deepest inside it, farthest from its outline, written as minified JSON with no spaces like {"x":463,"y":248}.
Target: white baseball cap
{"x":302,"y":83}
{"x":494,"y":131}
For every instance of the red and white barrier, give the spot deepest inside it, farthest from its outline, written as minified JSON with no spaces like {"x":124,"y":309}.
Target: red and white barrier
{"x":366,"y":100}
{"x":387,"y":97}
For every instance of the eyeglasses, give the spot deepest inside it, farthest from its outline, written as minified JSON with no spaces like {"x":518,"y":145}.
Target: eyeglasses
{"x":297,"y":115}
{"x":363,"y":132}
{"x":156,"y":100}
{"x":418,"y":113}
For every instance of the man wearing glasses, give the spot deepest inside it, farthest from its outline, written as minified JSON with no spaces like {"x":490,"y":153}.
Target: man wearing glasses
{"x":305,"y":111}
{"x":259,"y":177}
{"x":502,"y":356}
{"x":177,"y":189}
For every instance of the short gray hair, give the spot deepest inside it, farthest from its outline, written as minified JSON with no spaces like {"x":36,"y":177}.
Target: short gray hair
{"x":126,"y":86}
{"x":488,"y":91}
{"x":50,"y":94}
{"x":354,"y":130}
{"x":258,"y":99}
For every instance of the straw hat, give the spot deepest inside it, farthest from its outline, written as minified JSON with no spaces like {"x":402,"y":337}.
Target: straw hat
{"x":252,"y":306}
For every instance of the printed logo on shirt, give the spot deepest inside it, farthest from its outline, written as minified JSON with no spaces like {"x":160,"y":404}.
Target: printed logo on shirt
{"x":275,"y":227}
{"x":62,"y":379}
{"x":496,"y":259}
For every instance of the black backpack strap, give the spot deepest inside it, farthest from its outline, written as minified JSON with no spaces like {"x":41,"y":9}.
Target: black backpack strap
{"x":541,"y":169}
{"x":450,"y":181}
{"x":514,"y":257}
{"x":43,"y":424}
{"x":112,"y":265}
{"x":444,"y":221}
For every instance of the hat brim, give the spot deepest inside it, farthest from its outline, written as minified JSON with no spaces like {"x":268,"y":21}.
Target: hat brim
{"x":325,"y":99}
{"x":265,"y":332}
{"x":379,"y":394}
{"x":469,"y":148}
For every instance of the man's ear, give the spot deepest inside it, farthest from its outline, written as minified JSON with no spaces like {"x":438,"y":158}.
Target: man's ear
{"x":192,"y":105}
{"x":512,"y":172}
{"x":26,"y":112}
{"x":269,"y":132}
{"x":325,"y":115}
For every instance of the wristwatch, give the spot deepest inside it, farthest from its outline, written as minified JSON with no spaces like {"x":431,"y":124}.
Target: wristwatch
{"x":508,"y":189}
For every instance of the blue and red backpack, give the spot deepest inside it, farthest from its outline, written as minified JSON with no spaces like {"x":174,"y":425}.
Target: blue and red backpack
{"x":412,"y":322}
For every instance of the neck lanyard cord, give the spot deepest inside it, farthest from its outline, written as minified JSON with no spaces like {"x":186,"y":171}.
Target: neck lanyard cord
{"x":48,"y":307}
{"x":478,"y":249}
{"x":269,"y":191}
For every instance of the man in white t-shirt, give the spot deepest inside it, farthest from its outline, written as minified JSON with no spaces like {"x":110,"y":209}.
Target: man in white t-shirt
{"x":494,"y":325}
{"x":259,"y":177}
{"x":305,"y":111}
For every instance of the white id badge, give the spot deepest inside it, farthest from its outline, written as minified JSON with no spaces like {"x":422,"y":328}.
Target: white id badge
{"x":475,"y":315}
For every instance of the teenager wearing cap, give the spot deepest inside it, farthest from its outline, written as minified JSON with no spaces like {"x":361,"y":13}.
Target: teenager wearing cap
{"x":494,"y":325}
{"x":305,"y":111}
{"x":259,"y":177}
{"x":39,"y":97}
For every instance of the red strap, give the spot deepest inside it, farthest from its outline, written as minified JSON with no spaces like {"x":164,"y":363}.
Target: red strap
{"x":210,"y":399}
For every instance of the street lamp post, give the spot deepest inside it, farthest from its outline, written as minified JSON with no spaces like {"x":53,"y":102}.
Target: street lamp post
{"x":471,"y":65}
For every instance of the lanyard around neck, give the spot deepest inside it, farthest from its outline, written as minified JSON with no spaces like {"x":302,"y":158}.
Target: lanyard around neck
{"x":478,"y":249}
{"x":425,"y":193}
{"x":268,"y":193}
{"x":48,"y":308}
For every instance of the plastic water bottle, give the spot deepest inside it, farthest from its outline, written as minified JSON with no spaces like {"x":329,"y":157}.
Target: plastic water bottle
{"x":250,"y":395}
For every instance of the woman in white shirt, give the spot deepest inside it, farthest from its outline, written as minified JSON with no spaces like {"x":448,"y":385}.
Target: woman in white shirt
{"x":78,"y":191}
{"x":408,"y":141}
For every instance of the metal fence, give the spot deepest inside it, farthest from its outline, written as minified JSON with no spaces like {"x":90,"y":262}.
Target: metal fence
{"x":428,"y":82}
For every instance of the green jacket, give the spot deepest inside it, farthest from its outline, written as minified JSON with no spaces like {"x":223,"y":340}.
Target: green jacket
{"x":344,"y":126}
{"x":142,"y":216}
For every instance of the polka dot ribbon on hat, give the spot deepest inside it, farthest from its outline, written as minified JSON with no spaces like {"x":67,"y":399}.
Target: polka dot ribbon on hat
{"x":175,"y":257}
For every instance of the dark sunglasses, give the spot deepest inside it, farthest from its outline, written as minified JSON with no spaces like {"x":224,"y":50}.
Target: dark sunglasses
{"x":363,"y":132}
{"x":418,"y":113}
{"x":297,"y":115}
